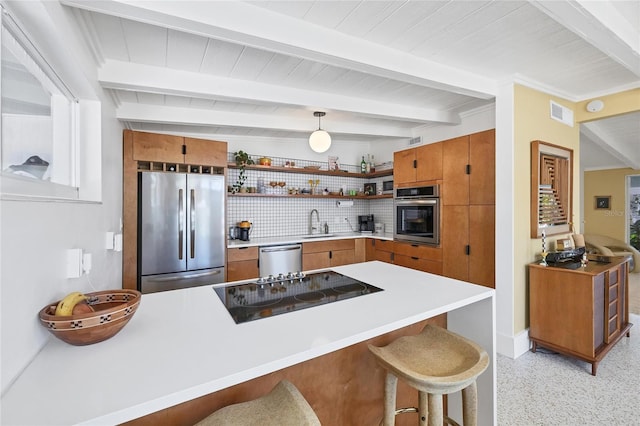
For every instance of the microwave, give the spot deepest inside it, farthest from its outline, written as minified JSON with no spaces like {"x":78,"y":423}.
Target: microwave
{"x":416,"y":215}
{"x":387,"y":186}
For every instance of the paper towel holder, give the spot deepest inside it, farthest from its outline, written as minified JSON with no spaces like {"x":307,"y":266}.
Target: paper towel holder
{"x":344,"y":203}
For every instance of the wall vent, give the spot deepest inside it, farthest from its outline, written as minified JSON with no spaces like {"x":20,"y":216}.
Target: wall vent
{"x":561,"y":114}
{"x":415,"y":141}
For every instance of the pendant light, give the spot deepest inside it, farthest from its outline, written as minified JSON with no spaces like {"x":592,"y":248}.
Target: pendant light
{"x":319,"y":141}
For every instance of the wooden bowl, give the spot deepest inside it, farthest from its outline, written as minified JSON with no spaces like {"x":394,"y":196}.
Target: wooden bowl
{"x":113,"y":310}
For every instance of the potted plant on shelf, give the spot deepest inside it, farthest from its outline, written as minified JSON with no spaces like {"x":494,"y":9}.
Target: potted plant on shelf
{"x":242,"y":159}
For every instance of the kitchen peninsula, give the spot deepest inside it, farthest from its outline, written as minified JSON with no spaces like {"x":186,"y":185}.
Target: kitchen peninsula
{"x":183,"y":344}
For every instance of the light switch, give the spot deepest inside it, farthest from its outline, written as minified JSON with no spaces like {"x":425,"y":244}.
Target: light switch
{"x":117,"y":242}
{"x":86,"y":262}
{"x":108,"y":242}
{"x":74,"y":263}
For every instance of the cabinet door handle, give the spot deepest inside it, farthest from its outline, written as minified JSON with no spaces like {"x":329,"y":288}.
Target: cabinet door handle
{"x":184,"y":150}
{"x":468,"y":169}
{"x":415,"y":258}
{"x":467,"y":250}
{"x":330,"y":255}
{"x":415,"y":164}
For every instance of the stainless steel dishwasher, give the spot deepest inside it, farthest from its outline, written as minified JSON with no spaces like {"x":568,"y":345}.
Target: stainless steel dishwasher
{"x":276,"y":260}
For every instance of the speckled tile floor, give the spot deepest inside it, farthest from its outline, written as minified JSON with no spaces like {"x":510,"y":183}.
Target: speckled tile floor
{"x":551,"y":389}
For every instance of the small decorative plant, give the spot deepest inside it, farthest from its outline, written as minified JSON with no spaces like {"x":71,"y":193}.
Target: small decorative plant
{"x":242,"y":159}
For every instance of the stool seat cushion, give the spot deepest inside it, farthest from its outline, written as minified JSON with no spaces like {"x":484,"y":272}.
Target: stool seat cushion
{"x":283,"y":406}
{"x":434,"y":361}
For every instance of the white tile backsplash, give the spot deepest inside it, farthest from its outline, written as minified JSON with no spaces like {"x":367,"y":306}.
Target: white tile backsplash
{"x":282,"y":216}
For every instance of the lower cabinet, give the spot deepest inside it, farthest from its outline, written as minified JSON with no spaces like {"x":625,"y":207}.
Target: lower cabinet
{"x":382,"y":250}
{"x":324,"y":254}
{"x":415,"y":256}
{"x":242,"y":263}
{"x":580,"y":313}
{"x":420,"y":257}
{"x":468,"y":239}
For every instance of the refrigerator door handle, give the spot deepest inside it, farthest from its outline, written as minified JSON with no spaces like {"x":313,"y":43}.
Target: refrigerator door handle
{"x":180,"y":224}
{"x":192,"y":223}
{"x":182,"y":277}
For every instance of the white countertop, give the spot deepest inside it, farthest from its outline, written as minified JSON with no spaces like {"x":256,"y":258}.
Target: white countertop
{"x":292,"y":239}
{"x":183,"y":344}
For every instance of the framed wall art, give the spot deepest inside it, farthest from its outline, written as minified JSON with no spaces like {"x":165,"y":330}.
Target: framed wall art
{"x":551,"y":189}
{"x":602,"y":202}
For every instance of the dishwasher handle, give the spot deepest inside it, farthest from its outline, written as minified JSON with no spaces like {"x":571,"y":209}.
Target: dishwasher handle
{"x":280,"y":248}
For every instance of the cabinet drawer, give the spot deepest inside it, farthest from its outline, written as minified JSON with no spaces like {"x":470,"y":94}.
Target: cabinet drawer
{"x":383,"y":256}
{"x":242,"y":270}
{"x":417,"y":250}
{"x":384,"y":245}
{"x":423,"y":265}
{"x":318,"y":260}
{"x":613,"y":276}
{"x":341,"y":257}
{"x":613,"y":293}
{"x":320,"y":246}
{"x":613,"y":309}
{"x":242,"y":253}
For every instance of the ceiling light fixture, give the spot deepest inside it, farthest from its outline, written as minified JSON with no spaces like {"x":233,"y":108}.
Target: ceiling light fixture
{"x":595,"y":106}
{"x":319,"y":141}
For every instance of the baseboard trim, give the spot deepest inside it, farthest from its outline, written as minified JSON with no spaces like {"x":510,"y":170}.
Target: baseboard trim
{"x":513,"y":346}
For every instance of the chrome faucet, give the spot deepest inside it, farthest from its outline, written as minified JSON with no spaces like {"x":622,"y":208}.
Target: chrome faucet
{"x":311,"y":227}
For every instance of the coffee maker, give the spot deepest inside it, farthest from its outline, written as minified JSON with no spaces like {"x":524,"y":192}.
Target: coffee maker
{"x":365,"y":223}
{"x":245,"y":230}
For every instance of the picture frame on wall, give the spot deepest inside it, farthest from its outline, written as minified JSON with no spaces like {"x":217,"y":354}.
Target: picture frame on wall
{"x":603,"y":202}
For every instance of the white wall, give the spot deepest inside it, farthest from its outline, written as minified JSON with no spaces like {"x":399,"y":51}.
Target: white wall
{"x":35,"y":234}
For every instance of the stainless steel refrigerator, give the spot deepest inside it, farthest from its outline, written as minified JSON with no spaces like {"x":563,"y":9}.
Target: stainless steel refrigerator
{"x":181,"y":240}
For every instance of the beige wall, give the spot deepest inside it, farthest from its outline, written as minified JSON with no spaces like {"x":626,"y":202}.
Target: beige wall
{"x":532,"y":122}
{"x":606,"y":182}
{"x":615,"y":104}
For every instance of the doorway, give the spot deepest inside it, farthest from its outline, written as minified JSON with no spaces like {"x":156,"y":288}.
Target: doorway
{"x":633,"y":213}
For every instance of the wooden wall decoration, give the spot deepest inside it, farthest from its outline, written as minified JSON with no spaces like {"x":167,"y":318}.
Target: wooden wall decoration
{"x":551,"y":189}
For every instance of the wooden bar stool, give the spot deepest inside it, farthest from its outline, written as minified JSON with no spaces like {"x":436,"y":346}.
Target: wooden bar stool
{"x":435,"y":362}
{"x":283,"y":406}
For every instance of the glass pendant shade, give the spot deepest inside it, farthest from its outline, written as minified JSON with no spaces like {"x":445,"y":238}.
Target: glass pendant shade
{"x":320,"y":141}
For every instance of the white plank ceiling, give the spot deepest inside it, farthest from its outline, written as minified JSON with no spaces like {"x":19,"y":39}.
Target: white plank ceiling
{"x":382,"y":70}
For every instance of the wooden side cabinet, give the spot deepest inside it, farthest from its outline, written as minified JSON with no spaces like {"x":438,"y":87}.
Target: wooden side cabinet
{"x":579,"y":312}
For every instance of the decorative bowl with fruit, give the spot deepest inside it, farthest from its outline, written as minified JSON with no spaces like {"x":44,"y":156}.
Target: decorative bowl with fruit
{"x":84,"y":319}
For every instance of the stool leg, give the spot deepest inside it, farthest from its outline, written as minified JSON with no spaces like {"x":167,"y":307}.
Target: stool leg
{"x":470,"y":405}
{"x":422,"y":408}
{"x":435,"y":410}
{"x":390,"y":386}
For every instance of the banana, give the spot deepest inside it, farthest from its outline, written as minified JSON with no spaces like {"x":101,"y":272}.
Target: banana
{"x":65,"y":306}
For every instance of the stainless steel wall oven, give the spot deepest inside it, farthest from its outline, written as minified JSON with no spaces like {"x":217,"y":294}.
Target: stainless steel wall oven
{"x":417,"y":214}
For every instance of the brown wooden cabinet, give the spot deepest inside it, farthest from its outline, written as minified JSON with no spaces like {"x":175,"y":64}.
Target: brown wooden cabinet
{"x":324,"y":254}
{"x":415,"y":256}
{"x":467,"y":206}
{"x":421,"y":257}
{"x":423,"y":163}
{"x":579,"y":312}
{"x":160,"y":148}
{"x":242,"y":263}
{"x":381,"y":250}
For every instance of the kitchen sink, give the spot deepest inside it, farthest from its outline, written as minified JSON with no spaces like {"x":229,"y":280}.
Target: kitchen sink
{"x":319,"y":236}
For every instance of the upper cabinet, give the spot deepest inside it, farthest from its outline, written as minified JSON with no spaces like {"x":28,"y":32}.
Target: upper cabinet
{"x":468,"y":169}
{"x":177,"y":149}
{"x":423,"y":163}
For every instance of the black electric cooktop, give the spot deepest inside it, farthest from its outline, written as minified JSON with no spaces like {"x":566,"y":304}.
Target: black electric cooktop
{"x":287,"y":293}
